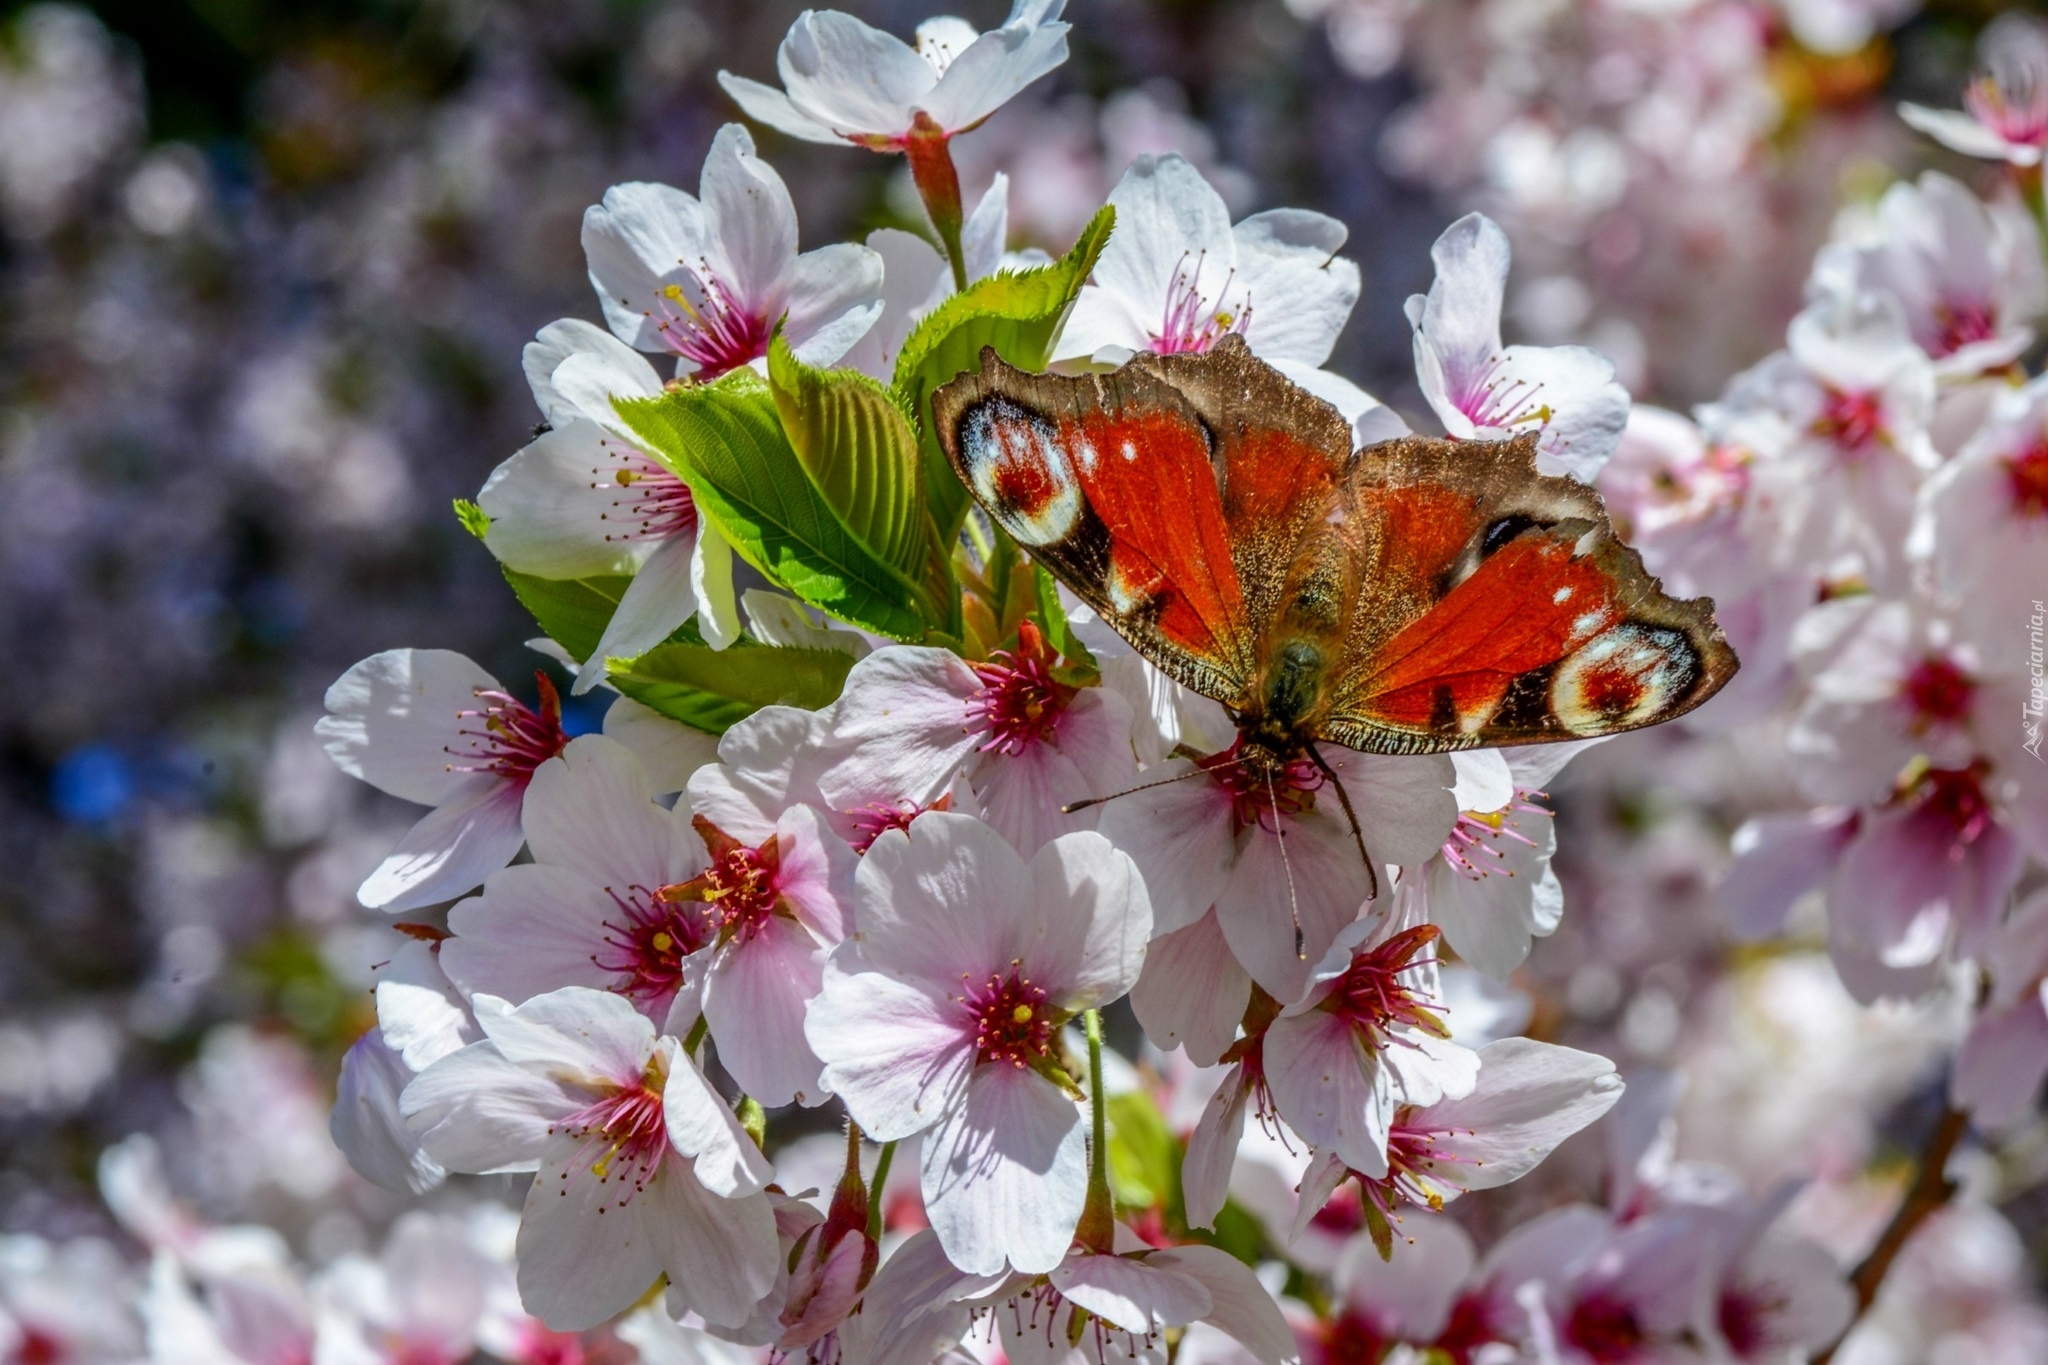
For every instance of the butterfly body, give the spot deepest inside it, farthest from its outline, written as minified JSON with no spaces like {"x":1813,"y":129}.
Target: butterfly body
{"x":1416,"y":596}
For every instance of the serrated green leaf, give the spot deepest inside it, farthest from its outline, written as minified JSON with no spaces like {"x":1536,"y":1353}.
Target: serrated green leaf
{"x":1017,"y":312}
{"x":573,"y":612}
{"x":726,"y":441}
{"x":713,"y":690}
{"x":474,"y":519}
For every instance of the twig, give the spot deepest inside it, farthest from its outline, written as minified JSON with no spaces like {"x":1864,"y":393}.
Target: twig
{"x":1930,"y":1190}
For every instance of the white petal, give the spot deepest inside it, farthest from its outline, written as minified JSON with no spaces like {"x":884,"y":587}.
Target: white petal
{"x":1192,"y":992}
{"x":474,"y":1111}
{"x":669,"y":751}
{"x":1960,"y":133}
{"x":367,"y":1126}
{"x":1310,"y":875}
{"x":909,"y":890}
{"x":851,"y":77}
{"x":661,"y":597}
{"x":896,"y":1055}
{"x":1404,"y":804}
{"x":582,"y":1260}
{"x":702,"y":1127}
{"x":720,"y":1254}
{"x":1179,"y":834}
{"x":755,"y":998}
{"x":1412,"y":1292}
{"x":752,"y":216}
{"x":548,"y":506}
{"x":992,"y":70}
{"x":1239,"y":1304}
{"x":1457,"y":328}
{"x":718,"y":609}
{"x":1130,"y":1292}
{"x":835,"y":295}
{"x":1095,"y":921}
{"x":554,"y":344}
{"x":1329,"y":1088}
{"x":1212,"y":1151}
{"x":1530,"y":1097}
{"x":634,"y":241}
{"x":533,"y":930}
{"x":419,"y":1011}
{"x":589,"y":809}
{"x":594,"y":1036}
{"x":450,"y":851}
{"x":1300,"y":292}
{"x":591,"y":381}
{"x":391,"y":716}
{"x":1583,"y":408}
{"x":1005,"y":1173}
{"x":901,"y":725}
{"x":1168,"y":218}
{"x":765,"y":104}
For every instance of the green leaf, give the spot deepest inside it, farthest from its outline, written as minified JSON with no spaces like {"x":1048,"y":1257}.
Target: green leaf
{"x":861,"y":454}
{"x":1144,"y":1155}
{"x":726,"y":441}
{"x":572,"y":611}
{"x":474,"y":519}
{"x":1017,"y":312}
{"x":713,"y":690}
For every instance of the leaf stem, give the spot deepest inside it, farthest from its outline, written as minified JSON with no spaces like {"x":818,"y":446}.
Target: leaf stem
{"x":881,"y":1179}
{"x":1930,"y":1190}
{"x":1097,"y":1230}
{"x":938,"y":184}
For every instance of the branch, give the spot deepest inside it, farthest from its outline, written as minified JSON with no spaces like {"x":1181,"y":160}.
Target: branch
{"x":1930,"y":1190}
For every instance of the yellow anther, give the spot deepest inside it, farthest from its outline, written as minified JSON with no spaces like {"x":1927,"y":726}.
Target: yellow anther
{"x":1021,"y":1015}
{"x":662,"y":943}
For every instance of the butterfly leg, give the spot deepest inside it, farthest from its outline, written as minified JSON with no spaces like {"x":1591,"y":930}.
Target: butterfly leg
{"x":1344,"y":799}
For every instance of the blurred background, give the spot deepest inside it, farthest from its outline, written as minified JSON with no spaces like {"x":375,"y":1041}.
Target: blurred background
{"x":266,"y":267}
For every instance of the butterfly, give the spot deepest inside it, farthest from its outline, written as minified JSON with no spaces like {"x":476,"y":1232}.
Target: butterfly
{"x":1416,"y":596}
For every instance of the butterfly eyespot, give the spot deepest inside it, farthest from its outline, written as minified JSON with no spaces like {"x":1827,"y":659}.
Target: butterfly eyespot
{"x":1504,"y":530}
{"x":1624,"y":677}
{"x":1019,"y":471}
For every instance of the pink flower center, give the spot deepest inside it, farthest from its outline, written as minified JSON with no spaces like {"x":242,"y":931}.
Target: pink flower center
{"x":1190,"y":321}
{"x":647,"y":941}
{"x":1020,"y":703}
{"x":1353,"y":1338}
{"x":2013,"y":104}
{"x":621,"y":1137}
{"x":539,"y":1346}
{"x":506,"y":737}
{"x":2027,"y":477}
{"x":741,"y":890}
{"x":872,"y":821}
{"x":1012,"y":1022}
{"x":37,"y":1347}
{"x":1605,"y":1328}
{"x":1471,"y":1327}
{"x":1938,"y":692}
{"x":1377,"y":995}
{"x":1342,"y":1213}
{"x":1963,"y":322}
{"x":1747,"y":1318}
{"x":716,"y":330}
{"x":1851,"y":420}
{"x":1491,"y":399}
{"x":1473,"y":851}
{"x":1411,"y":1155}
{"x":1953,"y":797}
{"x":1254,"y":798}
{"x":653,"y":504}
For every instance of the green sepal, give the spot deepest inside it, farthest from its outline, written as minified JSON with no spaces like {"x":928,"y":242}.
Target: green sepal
{"x":474,"y":519}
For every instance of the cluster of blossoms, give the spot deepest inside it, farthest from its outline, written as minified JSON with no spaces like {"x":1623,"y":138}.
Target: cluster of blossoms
{"x":836,"y":854}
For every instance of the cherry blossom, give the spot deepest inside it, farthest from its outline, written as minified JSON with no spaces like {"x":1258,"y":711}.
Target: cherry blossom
{"x":2002,"y":1063}
{"x":707,"y":279}
{"x":1985,"y":524}
{"x":575,"y":1084}
{"x":942,"y":1015}
{"x":2005,"y":107}
{"x":429,"y":726}
{"x":1482,"y":390}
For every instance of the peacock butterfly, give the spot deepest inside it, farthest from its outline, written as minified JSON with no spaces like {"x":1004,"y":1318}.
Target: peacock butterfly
{"x":1415,"y":596}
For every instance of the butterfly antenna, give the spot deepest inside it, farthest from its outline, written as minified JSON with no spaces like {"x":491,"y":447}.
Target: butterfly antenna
{"x":1372,"y":874}
{"x":1073,"y":806}
{"x":1287,"y":866}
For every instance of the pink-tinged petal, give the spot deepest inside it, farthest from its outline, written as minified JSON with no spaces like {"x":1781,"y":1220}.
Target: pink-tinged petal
{"x":816,"y":873}
{"x":896,"y":1054}
{"x":450,"y":851}
{"x":591,"y":381}
{"x":1020,"y":795}
{"x":752,"y":216}
{"x":851,"y":77}
{"x":1299,"y":291}
{"x":1411,"y":1293}
{"x":1314,"y":876}
{"x":589,"y":810}
{"x":1571,"y":395}
{"x":478,"y":1113}
{"x":1005,"y":1173}
{"x":900,"y":725}
{"x":1457,"y":326}
{"x":1484,"y":781}
{"x":419,"y":1011}
{"x":548,"y":506}
{"x":1778,"y":859}
{"x":720,"y":1254}
{"x":1404,"y":804}
{"x":554,"y":345}
{"x":1238,"y":1304}
{"x":910,"y":890}
{"x":1094,"y":921}
{"x":1131,"y":1293}
{"x":701,"y":1127}
{"x":755,"y":998}
{"x":1179,"y":834}
{"x":2001,"y":1064}
{"x":1168,"y":218}
{"x":582,"y":1259}
{"x":1330,"y":1088}
{"x":1809,"y":1303}
{"x":835,"y":296}
{"x":575,"y":1031}
{"x":1212,"y":1151}
{"x":766,"y":104}
{"x":391,"y":717}
{"x":915,"y":1307}
{"x":1192,"y":992}
{"x":994,"y":68}
{"x":1529,"y":1098}
{"x":1095,"y":732}
{"x":1890,"y":891}
{"x":533,"y":930}
{"x":1423,"y":1070}
{"x":632,"y":241}
{"x":1490,"y":909}
{"x":367,"y":1126}
{"x":769,"y":762}
{"x":668,"y":750}
{"x":662,"y":595}
{"x":1959,"y":132}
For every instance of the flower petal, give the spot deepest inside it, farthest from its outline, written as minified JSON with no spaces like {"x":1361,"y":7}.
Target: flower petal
{"x":835,"y":295}
{"x":390,"y":718}
{"x":755,"y":998}
{"x":1192,"y":992}
{"x":662,"y":595}
{"x":580,"y":1263}
{"x":898,"y":1056}
{"x":1005,"y":1173}
{"x":640,"y":235}
{"x":450,"y":851}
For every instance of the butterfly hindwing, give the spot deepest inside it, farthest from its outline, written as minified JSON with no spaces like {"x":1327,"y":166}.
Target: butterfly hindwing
{"x":1110,"y":481}
{"x":1498,"y":607}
